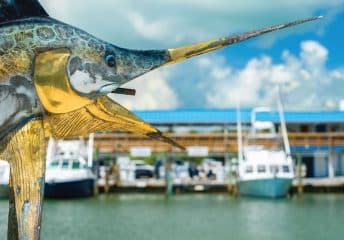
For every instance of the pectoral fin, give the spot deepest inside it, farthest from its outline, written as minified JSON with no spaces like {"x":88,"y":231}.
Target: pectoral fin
{"x":109,"y":110}
{"x":103,"y":115}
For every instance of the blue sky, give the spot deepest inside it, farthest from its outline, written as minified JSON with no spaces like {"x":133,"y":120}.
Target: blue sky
{"x":307,"y":61}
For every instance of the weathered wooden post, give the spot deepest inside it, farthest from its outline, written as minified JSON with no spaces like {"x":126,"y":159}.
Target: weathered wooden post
{"x":168,"y":175}
{"x":230,"y":180}
{"x":299,"y":175}
{"x":107,"y":185}
{"x":26,"y":154}
{"x":226,"y":157}
{"x":96,"y":171}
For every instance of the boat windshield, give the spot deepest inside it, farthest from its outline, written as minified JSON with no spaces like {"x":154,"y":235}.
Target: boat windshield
{"x":54,"y":164}
{"x":66,"y":164}
{"x":76,"y":164}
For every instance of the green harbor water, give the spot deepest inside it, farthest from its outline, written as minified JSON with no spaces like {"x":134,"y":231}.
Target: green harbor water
{"x":190,"y":217}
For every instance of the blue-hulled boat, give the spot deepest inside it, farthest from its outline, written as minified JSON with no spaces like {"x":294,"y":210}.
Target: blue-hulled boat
{"x":264,"y":172}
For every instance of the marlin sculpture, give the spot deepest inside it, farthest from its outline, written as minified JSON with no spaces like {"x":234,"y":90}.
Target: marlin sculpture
{"x":54,"y":82}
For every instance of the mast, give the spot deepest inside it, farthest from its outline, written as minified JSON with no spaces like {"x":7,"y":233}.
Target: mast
{"x":283,"y":124}
{"x":239,"y":134}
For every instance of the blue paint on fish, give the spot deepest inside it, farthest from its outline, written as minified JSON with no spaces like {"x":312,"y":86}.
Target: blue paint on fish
{"x":24,"y":215}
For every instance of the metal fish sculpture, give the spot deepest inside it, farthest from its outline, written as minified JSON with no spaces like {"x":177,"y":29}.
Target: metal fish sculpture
{"x":54,"y":81}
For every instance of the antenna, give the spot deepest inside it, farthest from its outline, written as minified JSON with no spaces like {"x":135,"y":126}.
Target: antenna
{"x":283,"y":124}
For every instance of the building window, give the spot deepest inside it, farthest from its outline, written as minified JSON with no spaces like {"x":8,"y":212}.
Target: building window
{"x":304,"y":128}
{"x":334,"y":128}
{"x":320,"y":128}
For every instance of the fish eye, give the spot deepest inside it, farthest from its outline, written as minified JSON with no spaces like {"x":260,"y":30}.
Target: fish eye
{"x":110,"y":60}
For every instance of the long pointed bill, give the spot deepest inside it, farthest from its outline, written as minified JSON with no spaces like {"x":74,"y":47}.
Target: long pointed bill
{"x":182,"y":53}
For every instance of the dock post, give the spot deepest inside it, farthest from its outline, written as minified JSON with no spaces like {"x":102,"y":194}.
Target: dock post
{"x":235,"y":176}
{"x":229,"y":185}
{"x":96,"y":172}
{"x":107,"y":187}
{"x":168,"y":177}
{"x":299,"y":175}
{"x":25,"y":152}
{"x":226,"y":157}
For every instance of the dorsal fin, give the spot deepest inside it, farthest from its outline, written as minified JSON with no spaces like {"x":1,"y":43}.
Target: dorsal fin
{"x":17,"y":9}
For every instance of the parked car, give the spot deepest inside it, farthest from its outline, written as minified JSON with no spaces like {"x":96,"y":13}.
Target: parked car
{"x":143,"y":170}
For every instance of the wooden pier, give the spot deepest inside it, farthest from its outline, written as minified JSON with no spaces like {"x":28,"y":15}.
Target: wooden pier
{"x":216,"y":142}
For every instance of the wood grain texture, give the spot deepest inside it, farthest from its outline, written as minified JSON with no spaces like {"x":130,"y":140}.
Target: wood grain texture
{"x":25,"y":152}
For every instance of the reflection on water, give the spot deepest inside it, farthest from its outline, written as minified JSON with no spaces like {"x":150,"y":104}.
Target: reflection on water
{"x":202,"y":217}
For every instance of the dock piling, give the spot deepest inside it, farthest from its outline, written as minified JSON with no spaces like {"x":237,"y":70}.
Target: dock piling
{"x":299,"y":175}
{"x":168,"y":177}
{"x":107,"y":187}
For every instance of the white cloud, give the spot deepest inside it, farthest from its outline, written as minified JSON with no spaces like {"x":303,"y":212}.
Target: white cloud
{"x":152,"y":24}
{"x":155,"y":30}
{"x":153,"y":92}
{"x":313,"y":54}
{"x":305,"y":81}
{"x":209,"y":81}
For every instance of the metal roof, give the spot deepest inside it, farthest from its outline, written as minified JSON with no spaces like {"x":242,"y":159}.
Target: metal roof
{"x":215,"y":116}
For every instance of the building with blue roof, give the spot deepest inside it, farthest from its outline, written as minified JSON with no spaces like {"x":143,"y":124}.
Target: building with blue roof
{"x":321,"y":160}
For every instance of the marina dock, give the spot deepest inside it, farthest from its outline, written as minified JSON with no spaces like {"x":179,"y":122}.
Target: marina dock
{"x":316,"y":139}
{"x":321,"y":185}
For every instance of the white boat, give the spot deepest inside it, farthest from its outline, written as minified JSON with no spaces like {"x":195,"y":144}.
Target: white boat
{"x":68,"y":174}
{"x":264,"y":172}
{"x":4,"y":178}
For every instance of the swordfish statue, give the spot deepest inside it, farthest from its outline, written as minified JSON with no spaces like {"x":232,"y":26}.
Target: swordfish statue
{"x":54,"y":82}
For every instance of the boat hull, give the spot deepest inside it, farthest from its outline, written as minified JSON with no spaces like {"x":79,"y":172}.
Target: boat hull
{"x":4,"y":190}
{"x":268,"y":188}
{"x":70,"y":189}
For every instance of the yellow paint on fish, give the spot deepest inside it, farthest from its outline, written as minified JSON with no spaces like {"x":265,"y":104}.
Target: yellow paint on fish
{"x":52,"y":83}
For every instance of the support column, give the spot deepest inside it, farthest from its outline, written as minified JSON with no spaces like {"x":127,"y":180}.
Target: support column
{"x":227,"y":161}
{"x":299,"y":174}
{"x":331,"y":164}
{"x":96,"y":172}
{"x":331,"y":168}
{"x":26,"y":151}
